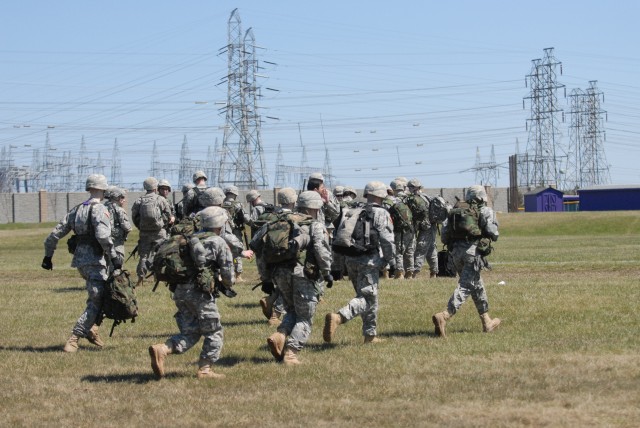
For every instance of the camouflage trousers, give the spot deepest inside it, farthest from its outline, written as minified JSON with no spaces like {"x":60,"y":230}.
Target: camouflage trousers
{"x":300,"y":297}
{"x":276,"y":301}
{"x":237,"y":261}
{"x":146,"y":243}
{"x":426,"y":249}
{"x":405,"y":250}
{"x":467,"y":265}
{"x":96,"y":279}
{"x":364,"y":278}
{"x":197,"y":316}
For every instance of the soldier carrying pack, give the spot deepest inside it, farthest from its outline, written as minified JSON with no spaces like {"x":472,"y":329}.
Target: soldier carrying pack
{"x":355,"y":234}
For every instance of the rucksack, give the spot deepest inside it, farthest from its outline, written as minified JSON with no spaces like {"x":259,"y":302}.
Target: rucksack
{"x":355,"y":234}
{"x":187,"y":226}
{"x":402,"y":216}
{"x":269,"y":214}
{"x":418,"y":206}
{"x":438,"y":210}
{"x":280,"y":232}
{"x":445,"y":265}
{"x":119,"y":301}
{"x":236,"y":215}
{"x":150,"y":214}
{"x":171,"y":260}
{"x":462,"y":222}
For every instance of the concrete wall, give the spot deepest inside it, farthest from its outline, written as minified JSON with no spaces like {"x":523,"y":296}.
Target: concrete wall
{"x":51,"y":207}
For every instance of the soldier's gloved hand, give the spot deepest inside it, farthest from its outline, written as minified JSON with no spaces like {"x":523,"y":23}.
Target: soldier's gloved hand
{"x":267,"y":287}
{"x":329,"y":280}
{"x":293,"y":245}
{"x":47,"y":263}
{"x":116,"y":262}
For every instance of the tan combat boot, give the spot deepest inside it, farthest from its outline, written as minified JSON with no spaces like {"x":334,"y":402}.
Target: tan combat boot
{"x":433,"y":274}
{"x":275,"y":321}
{"x":72,"y":344}
{"x":399,"y":274}
{"x":291,"y":357}
{"x":276,"y":345}
{"x":440,"y":322}
{"x":94,"y":337}
{"x":239,"y":277}
{"x":158,"y":353}
{"x":372,"y":339}
{"x":331,"y":323}
{"x":488,"y":324}
{"x":266,"y":307}
{"x":415,"y":274}
{"x":385,"y":273}
{"x":205,"y":372}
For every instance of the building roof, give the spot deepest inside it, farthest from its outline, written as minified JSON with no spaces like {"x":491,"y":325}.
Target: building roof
{"x":541,"y":189}
{"x":611,"y":187}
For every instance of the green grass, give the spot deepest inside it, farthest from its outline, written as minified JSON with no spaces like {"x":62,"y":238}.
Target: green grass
{"x":566,"y":354}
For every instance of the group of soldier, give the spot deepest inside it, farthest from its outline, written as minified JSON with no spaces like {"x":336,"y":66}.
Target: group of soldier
{"x":294,"y":287}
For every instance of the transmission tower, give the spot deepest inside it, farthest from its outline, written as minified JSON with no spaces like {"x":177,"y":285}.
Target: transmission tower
{"x":486,"y":172}
{"x":116,"y":168}
{"x":588,"y":136}
{"x":242,"y":162}
{"x":547,"y":155}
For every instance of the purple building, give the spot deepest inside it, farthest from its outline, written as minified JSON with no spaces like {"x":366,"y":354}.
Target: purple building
{"x":543,"y":199}
{"x":610,"y":198}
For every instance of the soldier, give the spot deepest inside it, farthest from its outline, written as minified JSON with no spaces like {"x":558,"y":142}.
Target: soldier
{"x":257,"y":207}
{"x":237,"y":219}
{"x":426,"y":235}
{"x":164,"y":190}
{"x":191,"y":203}
{"x":152,"y":216}
{"x":338,"y":269}
{"x":301,"y":285}
{"x":120,"y":224}
{"x":349,"y":194}
{"x":468,"y":263}
{"x":178,"y":207}
{"x":91,"y":224}
{"x":364,"y":271}
{"x":197,"y":309}
{"x":404,"y":236}
{"x":330,"y":207}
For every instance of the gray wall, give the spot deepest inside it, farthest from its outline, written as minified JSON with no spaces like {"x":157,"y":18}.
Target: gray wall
{"x":26,"y":207}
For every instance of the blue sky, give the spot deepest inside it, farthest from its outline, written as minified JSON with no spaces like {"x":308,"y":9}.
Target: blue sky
{"x":409,"y":88}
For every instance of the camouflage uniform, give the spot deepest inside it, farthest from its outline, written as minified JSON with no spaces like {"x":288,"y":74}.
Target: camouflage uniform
{"x":120,"y":226}
{"x":426,"y":243}
{"x":150,"y":236}
{"x":364,"y":273}
{"x":405,"y":241}
{"x":237,"y":222}
{"x":190,"y":204}
{"x":89,"y":257}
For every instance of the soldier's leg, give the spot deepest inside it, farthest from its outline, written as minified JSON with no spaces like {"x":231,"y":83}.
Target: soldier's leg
{"x":409,"y":254}
{"x":306,"y":301}
{"x":284,"y":287}
{"x":369,"y":291}
{"x":400,"y":251}
{"x":187,"y":301}
{"x":432,"y":250}
{"x":358,"y":304}
{"x":467,"y":281}
{"x":421,"y":250}
{"x":96,"y":278}
{"x":211,"y":329}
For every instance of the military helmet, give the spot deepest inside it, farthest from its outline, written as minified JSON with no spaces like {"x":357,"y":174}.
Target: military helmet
{"x":310,"y":199}
{"x":252,"y":195}
{"x":164,"y":183}
{"x":213,"y":217}
{"x":114,"y":193}
{"x":316,"y":176}
{"x":150,"y":183}
{"x":212,"y":196}
{"x":96,"y":181}
{"x":397,"y":184}
{"x":477,"y":193}
{"x":198,"y":175}
{"x":231,"y":189}
{"x":375,"y":188}
{"x":414,"y":183}
{"x":349,"y":189}
{"x":287,"y":196}
{"x":186,"y":187}
{"x":338,"y":191}
{"x":402,"y":180}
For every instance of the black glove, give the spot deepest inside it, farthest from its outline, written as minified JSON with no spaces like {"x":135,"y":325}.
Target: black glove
{"x":116,"y":262}
{"x":293,"y":245}
{"x":47,"y":263}
{"x":329,"y":280}
{"x":267,"y":287}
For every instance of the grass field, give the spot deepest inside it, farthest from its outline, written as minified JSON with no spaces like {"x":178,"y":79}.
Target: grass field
{"x":567,"y":352}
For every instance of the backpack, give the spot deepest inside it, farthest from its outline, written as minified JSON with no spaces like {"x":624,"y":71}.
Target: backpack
{"x":119,"y":301}
{"x":445,"y":265}
{"x":150,"y":214}
{"x":236,"y":215}
{"x":280,"y":231}
{"x":438,"y":210}
{"x":355,"y":235}
{"x":402,"y":216}
{"x":462,"y":223}
{"x":187,"y":226}
{"x":418,"y":206}
{"x":270,"y":213}
{"x":171,"y":260}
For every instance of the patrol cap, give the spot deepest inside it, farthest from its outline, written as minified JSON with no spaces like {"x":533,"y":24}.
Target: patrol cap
{"x":338,"y":191}
{"x":213,"y":217}
{"x":231,"y":189}
{"x":476,"y":192}
{"x":287,"y":196}
{"x":199,"y":174}
{"x":212,"y":196}
{"x":150,"y":183}
{"x":316,"y":176}
{"x":376,"y":188}
{"x":415,"y":183}
{"x":310,"y":199}
{"x":186,"y":187}
{"x":252,"y":195}
{"x":164,"y":183}
{"x":397,"y":184}
{"x":349,"y":189}
{"x":96,"y":181}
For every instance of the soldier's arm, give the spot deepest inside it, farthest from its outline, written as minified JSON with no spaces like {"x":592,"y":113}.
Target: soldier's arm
{"x":384,"y":225}
{"x":102,"y":229}
{"x":319,"y":239}
{"x":488,"y":223}
{"x":135,"y":213}
{"x":224,"y":260}
{"x":58,"y":232}
{"x":331,"y":208}
{"x":125,"y":224}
